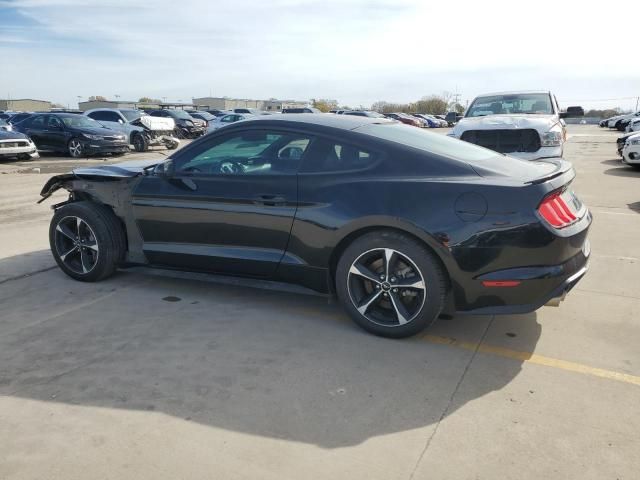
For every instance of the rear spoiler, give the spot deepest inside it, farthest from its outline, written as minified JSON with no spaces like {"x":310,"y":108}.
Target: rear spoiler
{"x":563,"y":169}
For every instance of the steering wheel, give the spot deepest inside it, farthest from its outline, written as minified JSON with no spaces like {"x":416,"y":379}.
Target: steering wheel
{"x":231,"y":166}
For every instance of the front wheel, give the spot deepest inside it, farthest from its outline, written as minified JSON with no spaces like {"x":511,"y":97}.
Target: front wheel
{"x":390,"y":284}
{"x":75,"y":148}
{"x":87,"y":241}
{"x":140,"y":144}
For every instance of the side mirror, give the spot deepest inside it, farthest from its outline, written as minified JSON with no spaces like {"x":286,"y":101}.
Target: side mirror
{"x":120,"y":121}
{"x":165,"y":169}
{"x":564,"y":115}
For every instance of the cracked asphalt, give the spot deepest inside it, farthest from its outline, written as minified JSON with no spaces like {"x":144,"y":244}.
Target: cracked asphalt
{"x":163,"y":375}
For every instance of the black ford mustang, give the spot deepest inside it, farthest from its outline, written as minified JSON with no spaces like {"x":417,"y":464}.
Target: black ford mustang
{"x":401,"y":223}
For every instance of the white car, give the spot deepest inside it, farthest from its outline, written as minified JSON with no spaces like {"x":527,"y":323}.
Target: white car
{"x":16,"y":145}
{"x":631,"y":151}
{"x":526,"y":125}
{"x":634,"y":125}
{"x":220,"y":122}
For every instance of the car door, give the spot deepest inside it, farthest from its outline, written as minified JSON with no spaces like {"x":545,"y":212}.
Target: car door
{"x":227,"y":207}
{"x":56,"y":138}
{"x":35,"y":129}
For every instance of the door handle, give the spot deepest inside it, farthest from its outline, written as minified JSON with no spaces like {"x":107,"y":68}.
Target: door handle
{"x":270,"y":200}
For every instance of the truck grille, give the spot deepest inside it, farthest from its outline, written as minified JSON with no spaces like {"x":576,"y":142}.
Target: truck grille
{"x":19,"y":143}
{"x":505,"y":141}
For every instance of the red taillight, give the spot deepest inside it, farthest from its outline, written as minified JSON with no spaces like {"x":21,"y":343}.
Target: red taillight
{"x":556,"y":211}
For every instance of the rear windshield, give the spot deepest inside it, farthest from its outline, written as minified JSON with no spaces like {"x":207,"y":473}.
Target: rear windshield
{"x":520,"y":103}
{"x":428,"y":142}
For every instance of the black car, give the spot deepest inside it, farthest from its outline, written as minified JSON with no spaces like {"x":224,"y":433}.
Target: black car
{"x":204,"y":116}
{"x":402,"y":224}
{"x":71,"y":133}
{"x":186,"y":125}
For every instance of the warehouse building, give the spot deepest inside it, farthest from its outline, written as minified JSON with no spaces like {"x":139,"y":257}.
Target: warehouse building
{"x":90,"y":104}
{"x":25,"y":105}
{"x":225,"y":103}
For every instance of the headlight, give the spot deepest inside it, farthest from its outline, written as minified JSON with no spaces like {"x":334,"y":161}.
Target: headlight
{"x":92,"y":137}
{"x":551,"y":139}
{"x":188,"y":122}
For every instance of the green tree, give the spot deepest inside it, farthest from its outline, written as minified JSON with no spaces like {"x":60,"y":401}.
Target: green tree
{"x":324,"y":104}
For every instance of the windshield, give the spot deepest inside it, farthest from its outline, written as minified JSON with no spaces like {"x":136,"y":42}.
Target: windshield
{"x":131,"y":115}
{"x":429,"y":142}
{"x":80,"y":121}
{"x":180,"y":114}
{"x":523,"y":103}
{"x":204,"y":115}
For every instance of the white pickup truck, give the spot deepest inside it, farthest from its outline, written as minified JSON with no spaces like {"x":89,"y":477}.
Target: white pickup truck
{"x":526,"y":125}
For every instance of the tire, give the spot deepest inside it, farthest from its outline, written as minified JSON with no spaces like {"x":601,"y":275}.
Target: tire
{"x":100,"y":248}
{"x":386,"y":308}
{"x":75,"y":148}
{"x":23,"y":157}
{"x":172,"y":145}
{"x":140,"y":143}
{"x":118,"y":154}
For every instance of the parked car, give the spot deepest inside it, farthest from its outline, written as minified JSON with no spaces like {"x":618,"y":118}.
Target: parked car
{"x":202,"y":115}
{"x":405,"y":118}
{"x":6,"y":126}
{"x":16,"y":145}
{"x":248,"y":111}
{"x":186,"y":125}
{"x":337,"y":203}
{"x":526,"y":125}
{"x":631,"y":151}
{"x":227,"y":120}
{"x":452,"y":118}
{"x":634,"y":125}
{"x":431,"y":122}
{"x":622,"y":141}
{"x":573,"y":112}
{"x":71,"y":133}
{"x":141,"y":130}
{"x":363,"y":113}
{"x":218,"y":113}
{"x":302,"y":110}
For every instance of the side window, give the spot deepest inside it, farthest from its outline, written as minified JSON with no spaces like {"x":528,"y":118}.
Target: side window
{"x":98,"y":115}
{"x":328,"y":156}
{"x":37,"y":122}
{"x":254,"y":152}
{"x":53,"y":122}
{"x":111,"y":117}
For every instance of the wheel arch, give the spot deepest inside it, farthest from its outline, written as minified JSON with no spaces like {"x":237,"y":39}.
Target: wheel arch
{"x":430,"y":242}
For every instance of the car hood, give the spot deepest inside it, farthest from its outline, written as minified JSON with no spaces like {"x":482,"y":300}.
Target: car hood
{"x":6,"y":135}
{"x":122,"y":170}
{"x":97,"y":131}
{"x":106,"y":172}
{"x":541,"y":123}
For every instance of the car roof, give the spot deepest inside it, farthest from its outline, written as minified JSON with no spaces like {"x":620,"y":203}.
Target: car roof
{"x":348,"y":122}
{"x":515,"y":92}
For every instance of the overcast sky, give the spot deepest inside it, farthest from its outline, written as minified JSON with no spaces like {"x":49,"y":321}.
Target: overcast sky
{"x":356,"y":51}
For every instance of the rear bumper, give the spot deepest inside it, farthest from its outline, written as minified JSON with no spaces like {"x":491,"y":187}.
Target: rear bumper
{"x":536,"y":286}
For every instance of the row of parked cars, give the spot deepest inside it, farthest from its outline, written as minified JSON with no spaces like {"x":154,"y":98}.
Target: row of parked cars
{"x":624,"y":123}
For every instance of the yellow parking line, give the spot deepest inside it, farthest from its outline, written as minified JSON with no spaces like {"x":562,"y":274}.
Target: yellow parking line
{"x":535,"y":359}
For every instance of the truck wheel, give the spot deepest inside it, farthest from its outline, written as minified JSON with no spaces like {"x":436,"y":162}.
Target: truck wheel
{"x":140,"y":143}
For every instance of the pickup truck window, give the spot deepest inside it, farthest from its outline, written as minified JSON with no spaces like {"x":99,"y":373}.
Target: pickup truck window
{"x":521,"y":103}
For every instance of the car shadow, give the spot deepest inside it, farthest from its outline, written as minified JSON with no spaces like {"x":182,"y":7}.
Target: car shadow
{"x":263,"y":361}
{"x":623,"y":171}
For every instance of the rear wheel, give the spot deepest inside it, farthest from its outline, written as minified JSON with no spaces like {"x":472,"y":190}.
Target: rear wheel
{"x":390,"y":284}
{"x":87,"y":241}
